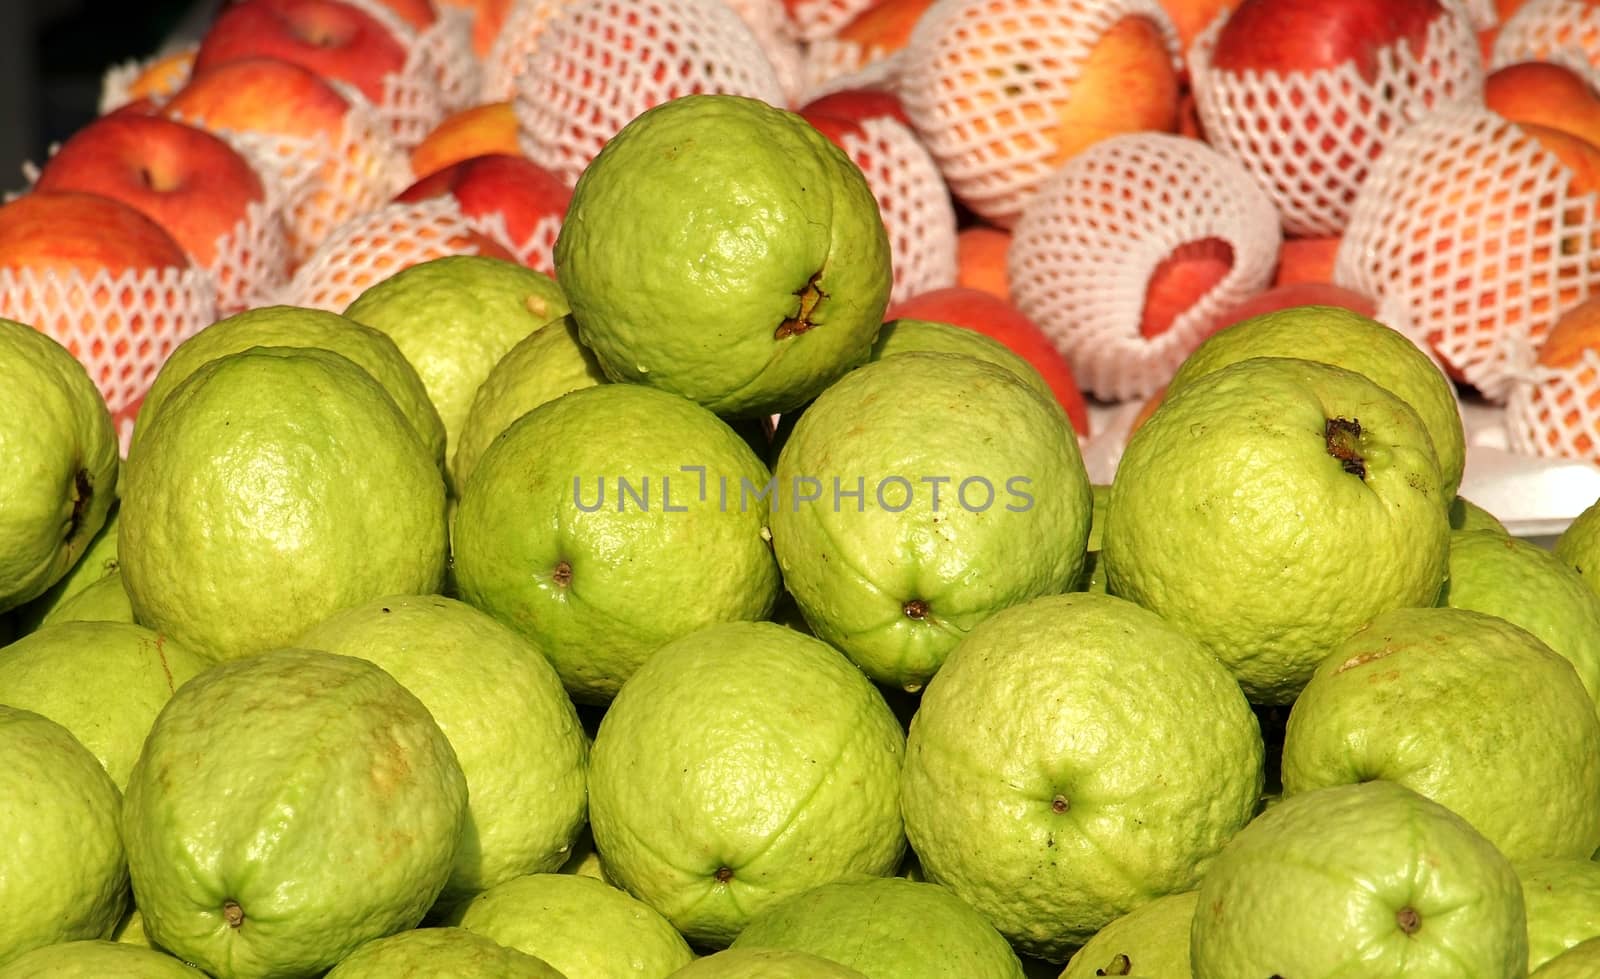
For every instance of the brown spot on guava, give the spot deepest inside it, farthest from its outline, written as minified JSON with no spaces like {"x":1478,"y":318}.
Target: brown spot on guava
{"x":82,"y":493}
{"x":1408,"y":920}
{"x":161,"y":654}
{"x":1362,"y":659}
{"x":810,"y":295}
{"x":232,"y":913}
{"x":1343,"y":439}
{"x":562,"y":575}
{"x":1059,"y":804}
{"x":1120,"y":965}
{"x":724,"y":874}
{"x":915,"y":608}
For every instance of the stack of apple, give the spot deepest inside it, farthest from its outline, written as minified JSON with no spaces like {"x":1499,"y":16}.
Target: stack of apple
{"x":303,"y":149}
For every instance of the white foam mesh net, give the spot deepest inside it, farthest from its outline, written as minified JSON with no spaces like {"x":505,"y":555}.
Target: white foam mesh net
{"x":371,"y":247}
{"x":1310,"y":138}
{"x":324,"y":181}
{"x":1555,"y":411}
{"x":916,"y":208}
{"x":118,"y":81}
{"x":769,"y":21}
{"x":252,"y":261}
{"x":121,"y":327}
{"x":514,"y":46}
{"x":834,"y":64}
{"x":1470,"y":238}
{"x":439,"y":66}
{"x":811,"y":20}
{"x":537,"y":250}
{"x":1566,"y":32}
{"x":600,"y":63}
{"x":979,"y":80}
{"x":1481,"y":14}
{"x":1089,"y":241}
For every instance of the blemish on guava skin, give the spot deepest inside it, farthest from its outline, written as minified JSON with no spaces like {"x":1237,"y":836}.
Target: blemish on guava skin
{"x":562,"y":575}
{"x":1362,"y":659}
{"x":1408,"y":920}
{"x":1059,"y":805}
{"x":1120,"y":965}
{"x":1342,"y":437}
{"x":232,"y":913}
{"x":537,"y":305}
{"x":810,"y":295}
{"x":723,"y":874}
{"x":915,"y":608}
{"x":82,"y":492}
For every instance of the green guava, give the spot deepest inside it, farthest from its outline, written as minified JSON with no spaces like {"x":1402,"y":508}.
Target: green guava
{"x":1466,"y":709}
{"x":906,"y":335}
{"x":68,"y":880}
{"x":454,"y":318}
{"x":296,"y":326}
{"x":1093,"y":576}
{"x":275,"y":487}
{"x":501,"y":704}
{"x":1562,"y":897}
{"x":1151,"y":940}
{"x":1343,"y":338}
{"x":580,"y":925}
{"x":286,"y":809}
{"x":105,"y":600}
{"x":103,"y":681}
{"x":1467,"y":515}
{"x":543,"y":366}
{"x":1578,"y":546}
{"x":865,"y":923}
{"x":99,"y":561}
{"x":59,"y":479}
{"x":1523,"y":583}
{"x":742,"y":764}
{"x":1369,"y":879}
{"x":919,"y":495}
{"x":97,"y":959}
{"x":611,"y":520}
{"x":1581,"y":961}
{"x":1024,"y":794}
{"x":723,"y":249}
{"x":432,"y":953}
{"x":1272,"y":507}
{"x":765,"y":963}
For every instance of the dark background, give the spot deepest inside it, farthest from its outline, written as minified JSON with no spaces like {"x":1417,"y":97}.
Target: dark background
{"x":54,"y":54}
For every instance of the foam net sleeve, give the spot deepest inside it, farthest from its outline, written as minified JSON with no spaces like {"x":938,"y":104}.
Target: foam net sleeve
{"x":1089,"y":241}
{"x":980,"y":80}
{"x":1311,"y":138}
{"x":1470,"y":237}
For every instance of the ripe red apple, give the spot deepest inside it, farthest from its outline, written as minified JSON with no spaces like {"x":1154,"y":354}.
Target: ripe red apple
{"x":856,"y":105}
{"x":1307,"y":259}
{"x":1286,"y":36}
{"x":529,"y":198}
{"x":1547,"y":94}
{"x":193,"y":184}
{"x":262,"y":95}
{"x":334,"y":39}
{"x":984,"y":313}
{"x":74,"y":231}
{"x":476,"y":131}
{"x":1298,"y":294}
{"x":1181,"y":280}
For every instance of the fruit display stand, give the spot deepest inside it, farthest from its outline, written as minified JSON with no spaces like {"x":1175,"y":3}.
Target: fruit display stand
{"x":570,"y":244}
